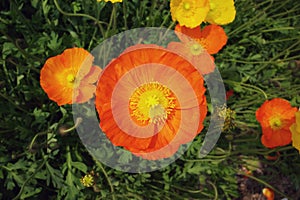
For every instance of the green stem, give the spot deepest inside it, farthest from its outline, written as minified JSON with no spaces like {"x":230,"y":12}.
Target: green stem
{"x":295,"y":9}
{"x":166,"y":32}
{"x":12,"y":102}
{"x":35,"y":137}
{"x":247,"y":86}
{"x":265,"y":184}
{"x":150,"y":22}
{"x":22,"y":51}
{"x":166,"y":20}
{"x":107,"y":178}
{"x":215,"y":189}
{"x":282,"y":40}
{"x":277,"y":56}
{"x":69,"y":158}
{"x":166,"y":192}
{"x":77,"y":122}
{"x":125,"y":15}
{"x":263,"y":151}
{"x":95,"y":31}
{"x":99,"y":23}
{"x":254,"y":20}
{"x":246,"y":124}
{"x":28,"y":179}
{"x":183,"y":189}
{"x":129,"y":196}
{"x":112,"y":20}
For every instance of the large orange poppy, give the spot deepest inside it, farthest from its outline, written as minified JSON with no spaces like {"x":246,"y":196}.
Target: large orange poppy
{"x":150,"y":101}
{"x":196,"y":42}
{"x":276,"y":116}
{"x":69,"y":77}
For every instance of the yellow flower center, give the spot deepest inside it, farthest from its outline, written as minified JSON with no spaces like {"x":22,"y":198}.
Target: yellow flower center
{"x":275,"y":123}
{"x":151,"y":103}
{"x":186,"y":5}
{"x":70,"y":78}
{"x":196,"y":49}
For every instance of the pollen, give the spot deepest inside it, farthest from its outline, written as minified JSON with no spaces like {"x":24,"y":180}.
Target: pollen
{"x":152,"y":103}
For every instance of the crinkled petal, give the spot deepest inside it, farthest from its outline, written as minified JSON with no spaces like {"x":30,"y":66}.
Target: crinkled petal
{"x":189,"y":13}
{"x":221,"y":12}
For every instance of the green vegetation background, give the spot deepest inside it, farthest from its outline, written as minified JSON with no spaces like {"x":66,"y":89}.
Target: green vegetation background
{"x":36,"y":162}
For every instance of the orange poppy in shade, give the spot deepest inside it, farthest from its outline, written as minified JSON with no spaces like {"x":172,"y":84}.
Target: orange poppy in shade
{"x":196,"y":42}
{"x":150,"y":101}
{"x":276,"y":116}
{"x":229,"y":93}
{"x":295,"y":129}
{"x":268,"y":193}
{"x":211,"y":37}
{"x":69,"y":77}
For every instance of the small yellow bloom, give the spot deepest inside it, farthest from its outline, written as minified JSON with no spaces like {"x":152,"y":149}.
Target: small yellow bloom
{"x":189,"y":13}
{"x":113,"y":1}
{"x":295,"y":129}
{"x":221,"y":12}
{"x":87,"y":180}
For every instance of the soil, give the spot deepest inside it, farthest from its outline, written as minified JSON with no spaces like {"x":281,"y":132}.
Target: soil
{"x":250,"y":189}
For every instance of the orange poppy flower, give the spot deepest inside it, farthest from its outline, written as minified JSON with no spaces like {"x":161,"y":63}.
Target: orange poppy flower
{"x":69,"y":77}
{"x":229,"y":93}
{"x":268,"y":193}
{"x":276,"y":116}
{"x":195,"y":43}
{"x":150,"y":101}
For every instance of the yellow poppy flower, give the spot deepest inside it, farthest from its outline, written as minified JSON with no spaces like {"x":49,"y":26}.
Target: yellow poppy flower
{"x":113,"y":1}
{"x":189,"y":13}
{"x":221,"y":12}
{"x":295,"y":129}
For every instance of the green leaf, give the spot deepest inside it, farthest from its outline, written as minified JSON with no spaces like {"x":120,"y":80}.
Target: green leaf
{"x":54,"y":42}
{"x":72,"y":192}
{"x":55,"y":176}
{"x":34,"y":3}
{"x":125,"y":157}
{"x":80,"y":166}
{"x":30,"y":192}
